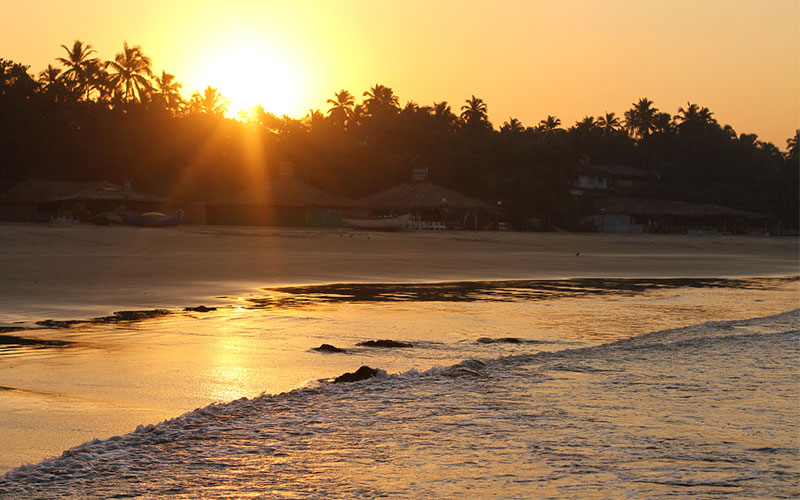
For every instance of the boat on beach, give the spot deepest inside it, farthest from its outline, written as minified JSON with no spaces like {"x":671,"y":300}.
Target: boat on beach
{"x":153,"y":219}
{"x":397,"y":223}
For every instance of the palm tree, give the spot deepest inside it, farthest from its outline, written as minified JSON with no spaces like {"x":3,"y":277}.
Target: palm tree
{"x":77,"y":64}
{"x":381,"y":100}
{"x":549,"y":125}
{"x":314,"y":119}
{"x":793,"y":146}
{"x":474,"y":113}
{"x":131,"y":73}
{"x":688,"y":114}
{"x":662,"y":123}
{"x":588,"y":123}
{"x":512,"y":126}
{"x":357,"y":116}
{"x":341,"y":107}
{"x":168,"y":90}
{"x":99,"y":81}
{"x":49,"y":76}
{"x":443,"y":115}
{"x":609,"y":123}
{"x":639,"y":120}
{"x":210,"y":102}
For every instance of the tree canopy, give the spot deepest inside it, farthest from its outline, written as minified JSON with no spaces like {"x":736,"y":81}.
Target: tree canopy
{"x":116,"y":120}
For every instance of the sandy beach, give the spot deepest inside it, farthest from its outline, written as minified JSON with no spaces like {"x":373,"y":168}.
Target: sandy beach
{"x":81,"y":271}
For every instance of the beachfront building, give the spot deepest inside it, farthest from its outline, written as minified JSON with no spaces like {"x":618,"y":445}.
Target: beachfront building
{"x":618,"y":214}
{"x":39,"y":200}
{"x":609,"y":177}
{"x":432,"y":206}
{"x":282,"y":202}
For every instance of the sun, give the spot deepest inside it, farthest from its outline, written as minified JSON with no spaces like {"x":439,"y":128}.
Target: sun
{"x":250,"y":71}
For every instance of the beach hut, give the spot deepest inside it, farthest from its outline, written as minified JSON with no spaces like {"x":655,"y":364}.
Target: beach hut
{"x":282,"y":202}
{"x":433,"y":206}
{"x":618,"y":214}
{"x":40,"y":200}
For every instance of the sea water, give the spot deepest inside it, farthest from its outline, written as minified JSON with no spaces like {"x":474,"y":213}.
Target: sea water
{"x":529,"y":389}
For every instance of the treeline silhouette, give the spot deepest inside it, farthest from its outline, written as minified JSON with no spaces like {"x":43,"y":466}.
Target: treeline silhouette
{"x":116,"y":120}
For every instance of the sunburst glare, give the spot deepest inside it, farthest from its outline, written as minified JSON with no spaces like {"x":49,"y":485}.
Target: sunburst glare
{"x":249,"y":71}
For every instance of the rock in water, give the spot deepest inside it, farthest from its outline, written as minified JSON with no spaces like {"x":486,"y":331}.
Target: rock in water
{"x":384,"y":343}
{"x":328,"y":348}
{"x":200,"y":309}
{"x":503,"y":340}
{"x":362,"y":373}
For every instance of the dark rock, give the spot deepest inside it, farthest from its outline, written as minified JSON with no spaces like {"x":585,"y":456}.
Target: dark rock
{"x":131,"y":316}
{"x":14,"y":340}
{"x":328,"y":348}
{"x":54,"y":323}
{"x":362,"y":373}
{"x":384,"y":343}
{"x":502,"y":340}
{"x":200,"y":309}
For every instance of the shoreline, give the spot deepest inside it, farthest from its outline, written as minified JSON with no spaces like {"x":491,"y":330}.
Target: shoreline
{"x":86,"y":271}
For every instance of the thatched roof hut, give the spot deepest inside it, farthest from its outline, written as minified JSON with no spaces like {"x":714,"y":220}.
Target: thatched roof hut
{"x":416,"y":196}
{"x":43,"y":191}
{"x":281,"y":202}
{"x":286,"y":192}
{"x":617,"y":214}
{"x":655,"y":207}
{"x":42,"y":199}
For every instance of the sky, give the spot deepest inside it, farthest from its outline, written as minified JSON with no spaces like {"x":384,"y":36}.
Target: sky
{"x":526,"y":59}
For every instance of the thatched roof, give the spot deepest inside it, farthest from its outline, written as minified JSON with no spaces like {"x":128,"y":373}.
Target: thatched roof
{"x":421,"y":196}
{"x":42,"y":191}
{"x":611,"y":170}
{"x":287,"y":192}
{"x":652,"y":207}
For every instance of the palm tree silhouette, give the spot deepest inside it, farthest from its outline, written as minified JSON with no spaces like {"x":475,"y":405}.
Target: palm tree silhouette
{"x":49,"y":75}
{"x":341,"y":107}
{"x":314,"y":119}
{"x":474,"y":113}
{"x":169,"y":91}
{"x":609,"y":123}
{"x":513,"y":126}
{"x":131,"y":73}
{"x":77,"y":64}
{"x":443,"y":115}
{"x":549,"y":125}
{"x":793,"y":146}
{"x":379,"y":100}
{"x":587,"y":123}
{"x":639,"y":120}
{"x":210,"y":102}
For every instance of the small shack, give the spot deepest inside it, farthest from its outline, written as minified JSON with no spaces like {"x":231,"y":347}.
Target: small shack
{"x":617,"y":214}
{"x":282,"y":202}
{"x":433,"y":206}
{"x":40,"y":200}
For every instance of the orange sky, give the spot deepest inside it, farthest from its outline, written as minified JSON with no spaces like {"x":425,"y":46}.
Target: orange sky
{"x":526,"y":59}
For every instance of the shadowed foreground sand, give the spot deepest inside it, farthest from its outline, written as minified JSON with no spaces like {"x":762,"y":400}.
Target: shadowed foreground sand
{"x":84,"y":271}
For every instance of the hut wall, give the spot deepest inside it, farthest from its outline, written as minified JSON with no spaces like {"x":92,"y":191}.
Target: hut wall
{"x":325,"y":217}
{"x":22,"y":212}
{"x":614,"y":223}
{"x":257,"y":215}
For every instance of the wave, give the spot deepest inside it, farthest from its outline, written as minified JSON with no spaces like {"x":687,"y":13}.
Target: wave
{"x":288,"y":444}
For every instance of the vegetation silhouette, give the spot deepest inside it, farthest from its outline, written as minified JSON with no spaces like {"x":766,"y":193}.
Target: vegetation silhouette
{"x":116,"y":120}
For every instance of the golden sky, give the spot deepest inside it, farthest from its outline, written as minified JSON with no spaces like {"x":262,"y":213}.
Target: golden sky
{"x":525,"y":58}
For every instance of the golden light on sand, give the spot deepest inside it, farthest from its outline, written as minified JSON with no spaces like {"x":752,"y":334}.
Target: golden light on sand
{"x":250,"y":70}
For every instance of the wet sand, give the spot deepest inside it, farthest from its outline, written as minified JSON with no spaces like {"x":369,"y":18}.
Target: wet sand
{"x":82,"y":271}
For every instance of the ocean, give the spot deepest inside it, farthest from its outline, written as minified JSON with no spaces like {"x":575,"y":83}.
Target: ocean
{"x":579,"y":388}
